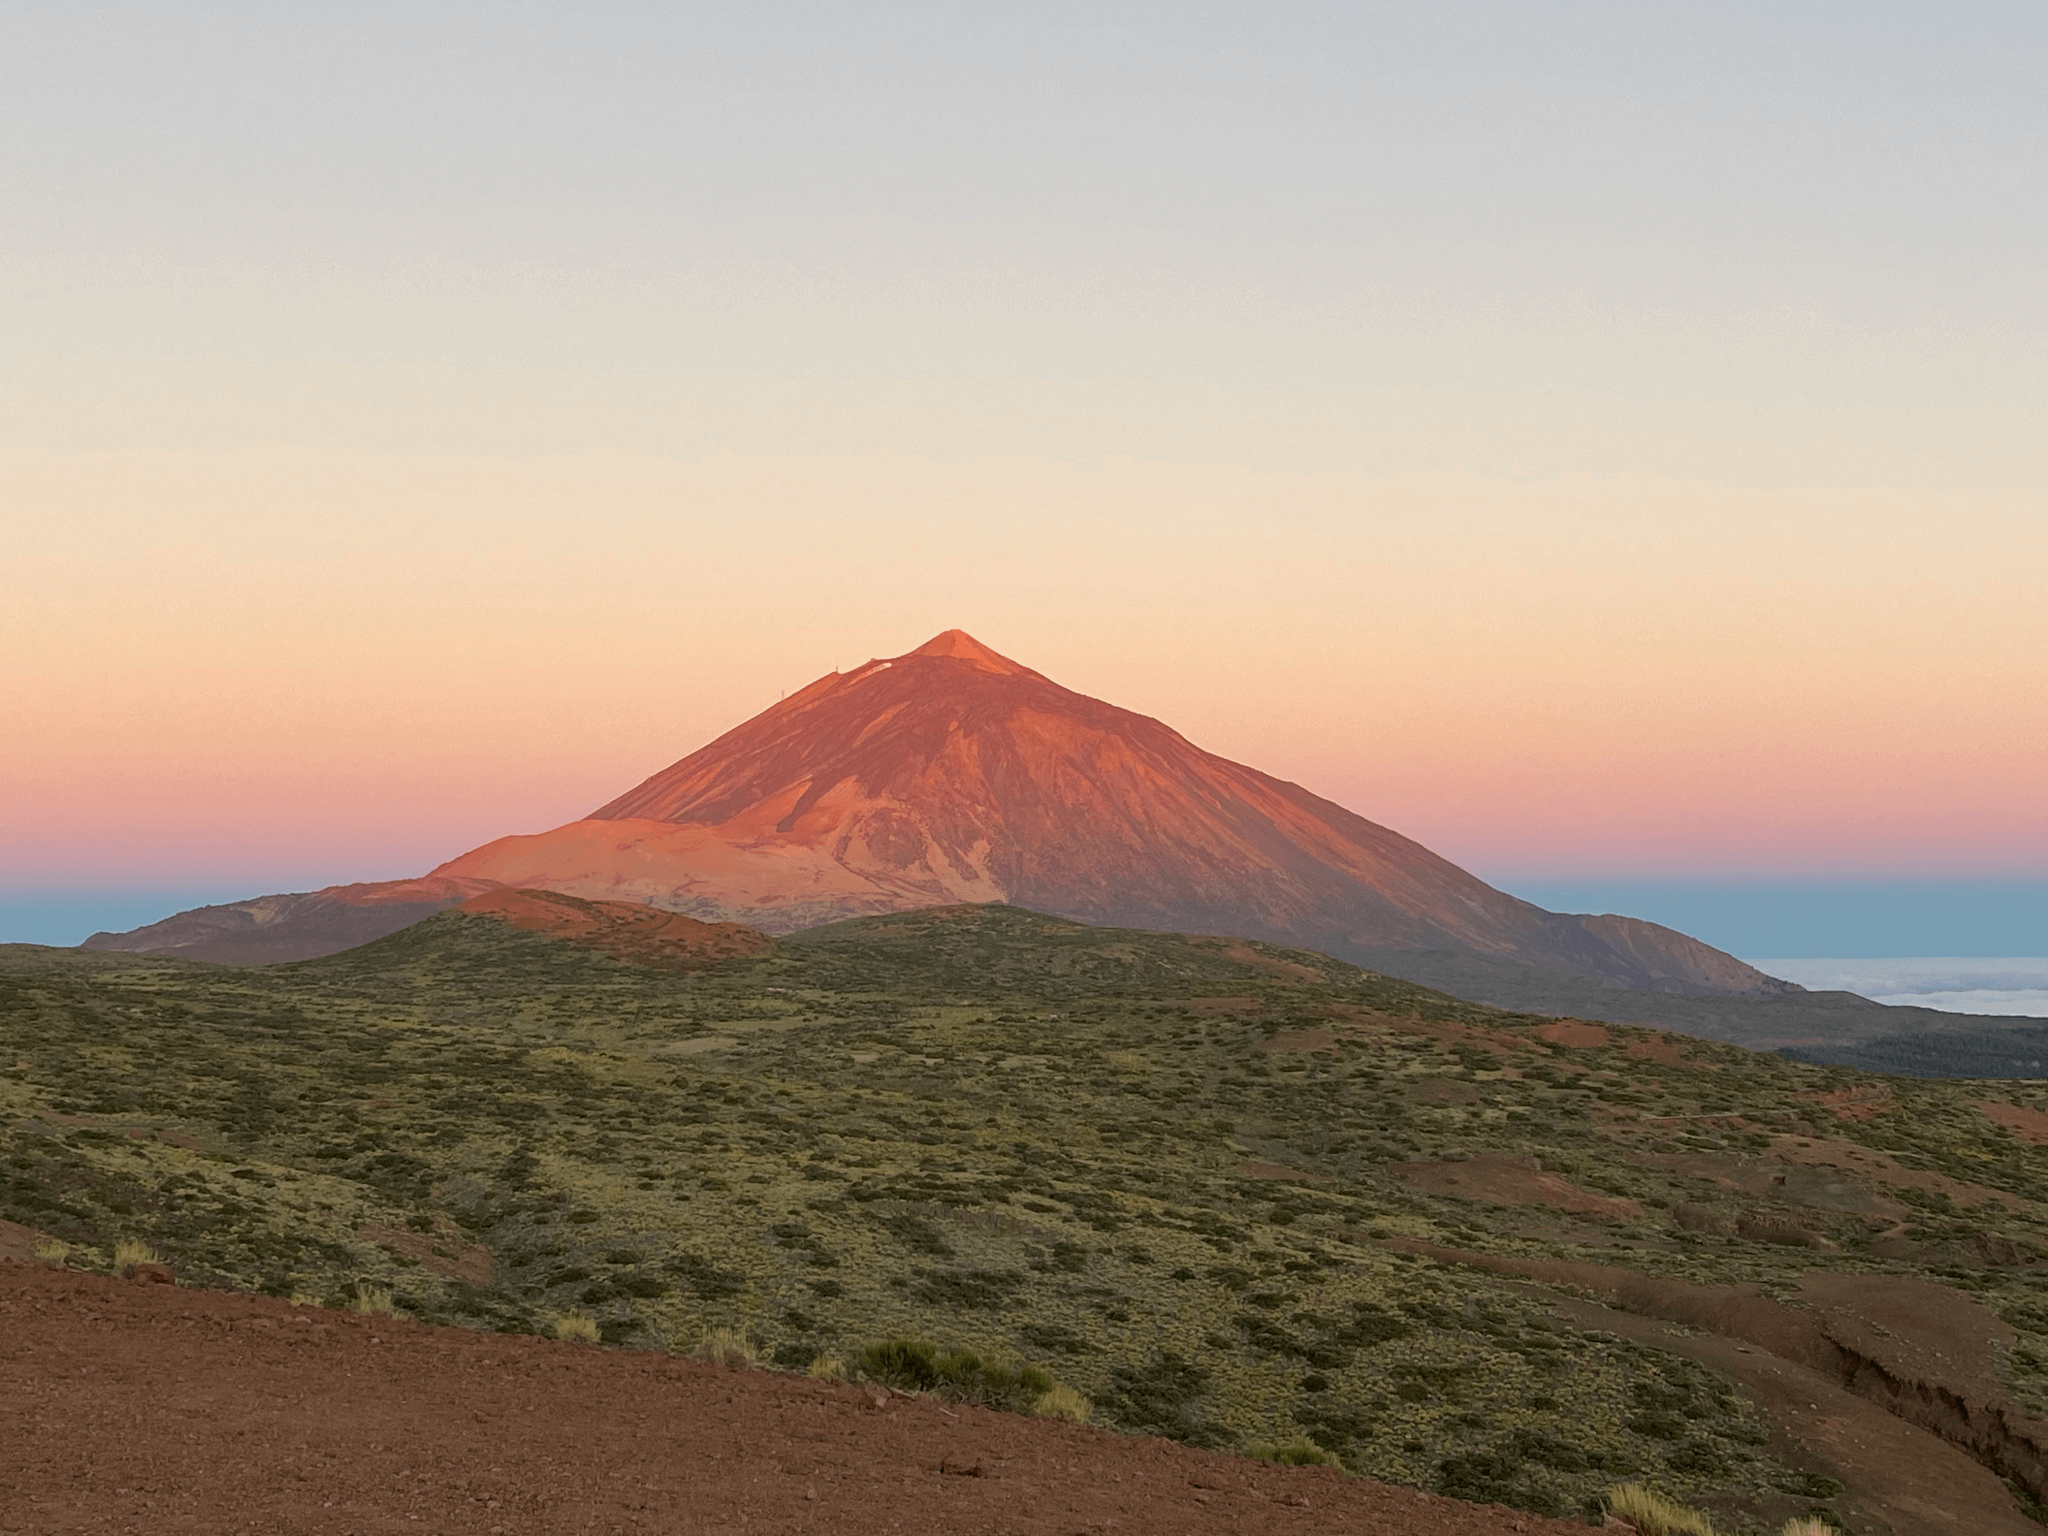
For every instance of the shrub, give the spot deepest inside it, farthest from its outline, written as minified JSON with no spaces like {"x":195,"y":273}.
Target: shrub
{"x":1810,"y":1525}
{"x":965,"y":1377}
{"x":1164,"y":1398}
{"x":1653,"y":1514}
{"x":129,"y":1252}
{"x":1290,"y":1453}
{"x":908,"y":1364}
{"x":912,"y":1365}
{"x":1807,"y":1485}
{"x":576,"y":1328}
{"x":53,"y":1250}
{"x":727,"y":1347}
{"x":827,"y":1368}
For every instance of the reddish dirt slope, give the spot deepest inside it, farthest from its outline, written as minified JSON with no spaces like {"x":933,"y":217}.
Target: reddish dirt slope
{"x":623,"y":929}
{"x":143,"y":1408}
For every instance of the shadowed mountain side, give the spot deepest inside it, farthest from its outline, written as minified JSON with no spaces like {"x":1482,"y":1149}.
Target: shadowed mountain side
{"x":1975,"y":1046}
{"x":1798,"y":1019}
{"x":296,"y":926}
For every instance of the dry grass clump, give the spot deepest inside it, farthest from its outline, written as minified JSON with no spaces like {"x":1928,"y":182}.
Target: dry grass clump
{"x":1291,"y":1453}
{"x":1653,"y":1514}
{"x":727,"y":1347}
{"x":129,"y":1252}
{"x":827,"y":1367}
{"x":1060,"y":1401}
{"x":1808,"y":1525}
{"x":372,"y":1300}
{"x":52,"y":1250}
{"x":576,"y":1328}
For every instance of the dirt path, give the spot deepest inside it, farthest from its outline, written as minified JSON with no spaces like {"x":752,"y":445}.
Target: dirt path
{"x":150,"y":1409}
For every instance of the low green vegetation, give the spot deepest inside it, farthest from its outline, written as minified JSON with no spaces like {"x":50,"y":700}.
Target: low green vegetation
{"x":1181,"y":1186}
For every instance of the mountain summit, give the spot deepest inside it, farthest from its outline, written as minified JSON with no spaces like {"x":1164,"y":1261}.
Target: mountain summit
{"x":954,"y":774}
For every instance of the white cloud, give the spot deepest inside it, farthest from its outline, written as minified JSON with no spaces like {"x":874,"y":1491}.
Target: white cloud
{"x":2010,"y":985}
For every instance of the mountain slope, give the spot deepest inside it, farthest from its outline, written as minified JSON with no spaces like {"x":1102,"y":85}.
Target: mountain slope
{"x":953,"y":774}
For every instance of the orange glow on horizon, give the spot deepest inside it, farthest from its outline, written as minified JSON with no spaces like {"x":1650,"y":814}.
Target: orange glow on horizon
{"x":243,"y":663}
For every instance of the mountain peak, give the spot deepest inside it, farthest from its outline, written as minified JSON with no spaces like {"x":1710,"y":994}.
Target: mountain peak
{"x":907,"y":783}
{"x":962,"y":646}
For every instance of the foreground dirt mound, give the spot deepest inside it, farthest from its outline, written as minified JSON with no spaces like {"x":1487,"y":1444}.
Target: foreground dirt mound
{"x":146,"y":1408}
{"x":625,"y":930}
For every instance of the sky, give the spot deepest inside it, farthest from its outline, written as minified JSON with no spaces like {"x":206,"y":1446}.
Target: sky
{"x":1602,"y":441}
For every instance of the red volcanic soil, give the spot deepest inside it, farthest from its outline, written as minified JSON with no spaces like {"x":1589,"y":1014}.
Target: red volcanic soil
{"x":1502,"y":1180}
{"x":148,"y":1408}
{"x":2030,"y":1125}
{"x":622,"y":929}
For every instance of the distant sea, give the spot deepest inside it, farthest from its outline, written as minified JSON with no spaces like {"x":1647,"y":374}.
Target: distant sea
{"x":1968,"y":984}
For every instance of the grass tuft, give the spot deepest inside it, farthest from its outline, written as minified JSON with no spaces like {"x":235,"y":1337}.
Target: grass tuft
{"x":1291,"y":1453}
{"x":129,"y":1252}
{"x":728,"y":1347}
{"x":53,"y":1250}
{"x":576,"y":1328}
{"x":827,"y":1367}
{"x":372,"y":1300}
{"x":1653,"y":1514}
{"x":1062,"y":1402}
{"x":1808,"y":1525}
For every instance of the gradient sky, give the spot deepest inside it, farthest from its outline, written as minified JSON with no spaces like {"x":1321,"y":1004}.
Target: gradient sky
{"x":1603,"y":441}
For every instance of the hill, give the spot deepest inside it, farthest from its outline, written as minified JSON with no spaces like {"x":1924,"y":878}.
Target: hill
{"x":1232,"y":1193}
{"x":953,"y":774}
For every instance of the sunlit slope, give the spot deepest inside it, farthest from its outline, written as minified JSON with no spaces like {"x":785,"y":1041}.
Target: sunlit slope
{"x":954,"y":774}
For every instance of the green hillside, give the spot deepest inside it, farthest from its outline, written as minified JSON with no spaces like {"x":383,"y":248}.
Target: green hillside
{"x":1174,"y":1172}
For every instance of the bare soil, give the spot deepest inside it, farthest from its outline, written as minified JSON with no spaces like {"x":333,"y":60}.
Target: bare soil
{"x":1502,"y":1179}
{"x":152,"y":1408}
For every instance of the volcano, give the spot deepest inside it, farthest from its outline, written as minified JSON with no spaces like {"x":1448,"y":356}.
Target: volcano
{"x":953,"y":774}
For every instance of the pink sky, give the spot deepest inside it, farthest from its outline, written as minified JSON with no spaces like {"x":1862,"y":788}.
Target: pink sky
{"x":288,"y":667}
